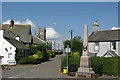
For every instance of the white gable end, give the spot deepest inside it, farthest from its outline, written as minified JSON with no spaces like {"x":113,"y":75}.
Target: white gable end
{"x":7,"y":50}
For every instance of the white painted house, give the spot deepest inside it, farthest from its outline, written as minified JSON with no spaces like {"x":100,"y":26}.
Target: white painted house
{"x":104,"y":43}
{"x":8,"y":47}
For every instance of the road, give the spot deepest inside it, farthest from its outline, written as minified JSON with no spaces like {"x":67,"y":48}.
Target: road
{"x":49,"y":69}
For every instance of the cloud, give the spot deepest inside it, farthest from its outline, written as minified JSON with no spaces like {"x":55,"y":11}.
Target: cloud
{"x":51,"y":33}
{"x":27,"y":22}
{"x":115,"y":28}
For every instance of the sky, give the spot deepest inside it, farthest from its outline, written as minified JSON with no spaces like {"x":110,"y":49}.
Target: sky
{"x":61,"y":17}
{"x":60,"y":0}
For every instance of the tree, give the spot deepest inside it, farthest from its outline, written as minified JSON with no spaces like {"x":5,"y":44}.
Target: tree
{"x":75,"y":43}
{"x":42,"y":47}
{"x":39,"y":47}
{"x":33,"y":49}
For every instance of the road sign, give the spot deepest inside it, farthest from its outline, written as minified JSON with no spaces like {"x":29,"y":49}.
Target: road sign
{"x":67,"y":50}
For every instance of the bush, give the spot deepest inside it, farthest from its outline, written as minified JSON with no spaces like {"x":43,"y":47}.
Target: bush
{"x":51,"y":54}
{"x":74,"y":62}
{"x":111,"y":66}
{"x":63,"y":62}
{"x":18,"y":55}
{"x":33,"y":49}
{"x":46,"y":56}
{"x":107,"y":66}
{"x":35,"y":56}
{"x":40,"y":54}
{"x":97,"y":64}
{"x":27,"y":60}
{"x":42,"y":47}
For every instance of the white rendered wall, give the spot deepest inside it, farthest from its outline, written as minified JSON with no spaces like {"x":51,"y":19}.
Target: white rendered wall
{"x":11,"y":49}
{"x":104,"y":47}
{"x":92,"y":47}
{"x":118,"y":47}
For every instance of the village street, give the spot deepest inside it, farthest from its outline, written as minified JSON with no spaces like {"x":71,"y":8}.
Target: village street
{"x":49,"y":69}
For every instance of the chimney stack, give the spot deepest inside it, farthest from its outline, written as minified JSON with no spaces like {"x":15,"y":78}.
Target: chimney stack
{"x":11,"y":23}
{"x":39,"y":32}
{"x":95,"y":26}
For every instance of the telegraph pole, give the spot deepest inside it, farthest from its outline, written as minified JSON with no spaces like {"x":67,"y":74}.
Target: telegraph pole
{"x":71,"y":32}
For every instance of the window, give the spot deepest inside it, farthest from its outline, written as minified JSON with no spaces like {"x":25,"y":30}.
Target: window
{"x":10,"y":47}
{"x":9,"y":55}
{"x":113,"y":45}
{"x":6,"y":49}
{"x":96,"y":46}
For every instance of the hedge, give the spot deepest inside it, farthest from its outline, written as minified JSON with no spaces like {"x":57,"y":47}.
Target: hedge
{"x":107,"y":66}
{"x":27,"y":60}
{"x":74,"y":61}
{"x":101,"y":65}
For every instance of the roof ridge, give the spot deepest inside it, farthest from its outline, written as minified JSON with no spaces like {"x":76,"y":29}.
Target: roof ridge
{"x":109,"y":30}
{"x":16,"y":24}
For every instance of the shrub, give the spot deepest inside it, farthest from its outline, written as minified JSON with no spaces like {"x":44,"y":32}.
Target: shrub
{"x":27,"y":60}
{"x":63,"y":62}
{"x":46,"y":56}
{"x":50,"y":53}
{"x":40,"y":54}
{"x":42,"y":47}
{"x":18,"y":55}
{"x":111,"y":66}
{"x":74,"y":62}
{"x":107,"y":66}
{"x":33,"y":49}
{"x":97,"y":64}
{"x":31,"y":57}
{"x":35,"y":56}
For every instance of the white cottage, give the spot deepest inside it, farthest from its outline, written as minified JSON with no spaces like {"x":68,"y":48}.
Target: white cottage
{"x":104,"y":43}
{"x":8,"y":47}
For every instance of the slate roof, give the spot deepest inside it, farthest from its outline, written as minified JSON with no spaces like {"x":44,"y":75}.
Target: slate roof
{"x":7,"y":32}
{"x":37,"y":40}
{"x":23,"y":31}
{"x":16,"y":43}
{"x":106,"y":35}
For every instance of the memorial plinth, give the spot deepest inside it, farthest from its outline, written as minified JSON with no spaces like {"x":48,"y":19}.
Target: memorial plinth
{"x":85,"y":69}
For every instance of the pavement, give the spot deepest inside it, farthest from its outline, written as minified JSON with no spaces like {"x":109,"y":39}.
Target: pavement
{"x":49,"y":69}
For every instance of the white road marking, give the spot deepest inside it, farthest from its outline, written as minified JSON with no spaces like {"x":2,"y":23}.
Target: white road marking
{"x":17,"y":75}
{"x":34,"y":70}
